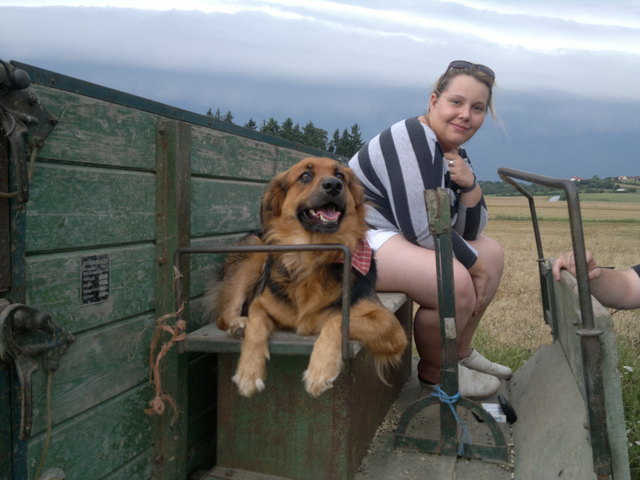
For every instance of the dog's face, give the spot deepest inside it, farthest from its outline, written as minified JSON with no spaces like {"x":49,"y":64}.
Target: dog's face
{"x":317,"y":195}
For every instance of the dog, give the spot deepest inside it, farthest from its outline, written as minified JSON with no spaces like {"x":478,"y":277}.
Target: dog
{"x":316,"y":201}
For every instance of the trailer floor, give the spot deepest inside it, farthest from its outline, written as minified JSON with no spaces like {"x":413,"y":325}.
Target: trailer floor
{"x":385,"y":462}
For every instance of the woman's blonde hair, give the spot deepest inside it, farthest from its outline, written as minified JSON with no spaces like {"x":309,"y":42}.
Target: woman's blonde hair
{"x":479,"y":72}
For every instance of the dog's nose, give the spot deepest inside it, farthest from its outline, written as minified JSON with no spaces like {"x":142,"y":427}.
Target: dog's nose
{"x":332,"y":186}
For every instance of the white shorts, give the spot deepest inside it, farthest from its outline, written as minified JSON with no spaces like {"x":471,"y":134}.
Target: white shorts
{"x":377,"y":237}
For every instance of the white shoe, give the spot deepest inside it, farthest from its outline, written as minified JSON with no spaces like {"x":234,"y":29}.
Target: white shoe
{"x":475,"y":384}
{"x":471,"y":384}
{"x":477,"y":362}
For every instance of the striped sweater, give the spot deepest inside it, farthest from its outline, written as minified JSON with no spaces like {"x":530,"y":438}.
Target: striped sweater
{"x":395,"y":168}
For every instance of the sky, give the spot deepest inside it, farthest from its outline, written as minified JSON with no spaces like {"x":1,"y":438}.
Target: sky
{"x":567,"y":94}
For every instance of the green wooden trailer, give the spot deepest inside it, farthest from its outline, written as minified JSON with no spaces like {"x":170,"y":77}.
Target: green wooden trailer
{"x":103,"y":197}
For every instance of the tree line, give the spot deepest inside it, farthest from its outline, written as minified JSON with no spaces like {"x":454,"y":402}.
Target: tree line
{"x":346,"y":143}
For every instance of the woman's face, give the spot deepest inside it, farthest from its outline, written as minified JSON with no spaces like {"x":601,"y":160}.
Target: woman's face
{"x":459,"y":112}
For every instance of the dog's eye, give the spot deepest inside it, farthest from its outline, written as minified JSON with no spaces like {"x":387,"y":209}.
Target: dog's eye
{"x":306,"y":177}
{"x":340,"y":175}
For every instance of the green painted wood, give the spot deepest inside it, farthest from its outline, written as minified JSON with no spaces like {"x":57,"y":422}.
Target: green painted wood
{"x":202,"y":407}
{"x":221,"y":154}
{"x":222,"y":207}
{"x":100,"y":364}
{"x":91,"y":131}
{"x":63,"y":83}
{"x":173,"y":193}
{"x":568,"y":324}
{"x":137,"y":469}
{"x":288,"y":157}
{"x":55,"y":286}
{"x":74,"y":206}
{"x":98,"y":442}
{"x":285,"y":432}
{"x":205,"y":267}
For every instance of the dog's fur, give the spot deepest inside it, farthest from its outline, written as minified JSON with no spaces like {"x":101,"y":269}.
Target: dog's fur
{"x":317,"y":201}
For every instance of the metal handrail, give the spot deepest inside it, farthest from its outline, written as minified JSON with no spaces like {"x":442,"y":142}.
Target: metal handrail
{"x":589,"y":335}
{"x":346,"y":272}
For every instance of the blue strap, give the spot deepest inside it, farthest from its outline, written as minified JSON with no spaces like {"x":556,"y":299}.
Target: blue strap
{"x":451,"y":401}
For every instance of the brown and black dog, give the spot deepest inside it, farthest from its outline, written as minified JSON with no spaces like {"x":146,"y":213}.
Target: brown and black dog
{"x":317,"y":201}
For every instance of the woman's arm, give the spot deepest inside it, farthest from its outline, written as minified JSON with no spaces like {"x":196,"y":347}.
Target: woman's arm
{"x":612,"y":288}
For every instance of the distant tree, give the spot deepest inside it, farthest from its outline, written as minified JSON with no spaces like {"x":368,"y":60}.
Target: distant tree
{"x":289,"y":131}
{"x":270,"y":127}
{"x":228,"y":117}
{"x":314,"y":137}
{"x":251,"y":124}
{"x":332,"y":146}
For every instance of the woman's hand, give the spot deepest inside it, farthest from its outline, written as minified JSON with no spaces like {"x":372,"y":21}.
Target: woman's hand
{"x":567,"y":261}
{"x":480,"y":278}
{"x":459,"y":169}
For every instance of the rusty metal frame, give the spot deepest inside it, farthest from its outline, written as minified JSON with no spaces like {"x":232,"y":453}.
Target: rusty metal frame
{"x":346,"y":274}
{"x":448,"y":443}
{"x":589,"y":335}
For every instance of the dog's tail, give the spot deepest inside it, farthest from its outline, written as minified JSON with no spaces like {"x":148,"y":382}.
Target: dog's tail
{"x":383,"y":363}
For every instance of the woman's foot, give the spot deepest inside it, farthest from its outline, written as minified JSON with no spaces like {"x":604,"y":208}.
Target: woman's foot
{"x":477,"y":362}
{"x":471,"y":384}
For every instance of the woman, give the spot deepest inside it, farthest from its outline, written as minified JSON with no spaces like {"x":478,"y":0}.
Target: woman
{"x":395,"y":168}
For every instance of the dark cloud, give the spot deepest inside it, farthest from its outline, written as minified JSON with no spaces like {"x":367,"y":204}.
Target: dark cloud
{"x":564,"y":112}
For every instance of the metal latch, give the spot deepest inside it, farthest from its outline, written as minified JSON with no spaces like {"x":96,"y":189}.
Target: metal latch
{"x":24,"y":334}
{"x":25,"y":122}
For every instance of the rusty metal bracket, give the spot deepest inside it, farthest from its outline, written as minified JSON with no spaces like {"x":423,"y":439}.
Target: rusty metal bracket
{"x":448,"y":443}
{"x":25,"y":122}
{"x":25,"y":333}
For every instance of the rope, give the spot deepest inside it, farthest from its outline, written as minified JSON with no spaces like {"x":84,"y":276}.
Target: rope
{"x":45,"y":448}
{"x":178,"y":334}
{"x":451,"y":400}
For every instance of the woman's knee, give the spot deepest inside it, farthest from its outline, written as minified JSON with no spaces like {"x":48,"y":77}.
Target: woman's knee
{"x":464,"y":291}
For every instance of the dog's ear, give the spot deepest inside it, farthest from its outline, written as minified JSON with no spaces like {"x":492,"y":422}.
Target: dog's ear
{"x":273,"y":198}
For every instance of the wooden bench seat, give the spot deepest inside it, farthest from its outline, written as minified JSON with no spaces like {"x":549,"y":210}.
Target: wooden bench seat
{"x":283,"y":432}
{"x":211,"y":339}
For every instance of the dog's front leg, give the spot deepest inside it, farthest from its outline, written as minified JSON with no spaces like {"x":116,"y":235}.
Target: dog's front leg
{"x":326,"y":359}
{"x":251,"y":372}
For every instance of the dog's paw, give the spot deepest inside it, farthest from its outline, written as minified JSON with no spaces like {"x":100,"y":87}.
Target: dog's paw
{"x":248,"y":384}
{"x":318,"y":381}
{"x":236,"y":326}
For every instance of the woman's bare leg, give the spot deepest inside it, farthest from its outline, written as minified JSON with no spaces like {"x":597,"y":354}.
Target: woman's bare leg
{"x":405,"y":267}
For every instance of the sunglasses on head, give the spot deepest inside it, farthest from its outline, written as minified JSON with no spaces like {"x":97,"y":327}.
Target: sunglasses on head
{"x":456,"y":64}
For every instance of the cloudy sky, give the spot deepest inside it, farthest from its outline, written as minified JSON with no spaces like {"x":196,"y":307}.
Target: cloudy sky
{"x":568,"y":71}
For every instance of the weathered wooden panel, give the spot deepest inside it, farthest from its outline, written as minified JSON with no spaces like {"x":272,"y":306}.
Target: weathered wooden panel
{"x":205,"y":266}
{"x":82,"y":206}
{"x":288,"y":157}
{"x":55,"y":286}
{"x":569,"y":323}
{"x":201,"y":423}
{"x":100,"y":441}
{"x":97,"y":132}
{"x":137,"y":469}
{"x":99,"y":365}
{"x":220,"y":207}
{"x":222,"y":154}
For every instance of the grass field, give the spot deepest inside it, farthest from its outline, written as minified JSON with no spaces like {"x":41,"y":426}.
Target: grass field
{"x":513,"y":327}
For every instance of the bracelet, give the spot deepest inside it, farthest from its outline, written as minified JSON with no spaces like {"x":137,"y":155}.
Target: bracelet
{"x":473,"y":185}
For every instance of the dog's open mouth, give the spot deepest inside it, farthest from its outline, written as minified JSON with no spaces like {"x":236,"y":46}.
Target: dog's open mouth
{"x":325,"y":219}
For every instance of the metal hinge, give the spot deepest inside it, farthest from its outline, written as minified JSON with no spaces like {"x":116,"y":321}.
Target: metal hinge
{"x":25,"y":122}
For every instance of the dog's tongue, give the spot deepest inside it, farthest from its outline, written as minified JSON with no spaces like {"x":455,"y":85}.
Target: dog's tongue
{"x":327,"y":214}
